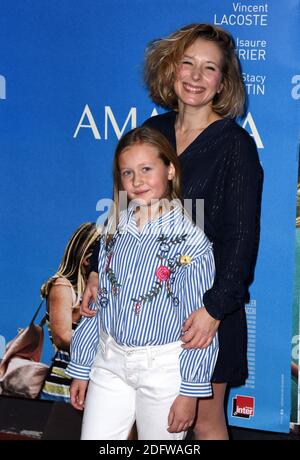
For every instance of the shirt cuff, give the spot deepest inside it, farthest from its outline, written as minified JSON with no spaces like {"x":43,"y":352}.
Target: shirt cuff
{"x":195,"y":390}
{"x":77,"y":371}
{"x":214,"y":312}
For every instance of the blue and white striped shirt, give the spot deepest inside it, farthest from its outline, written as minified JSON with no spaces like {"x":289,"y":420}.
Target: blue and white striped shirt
{"x":149,"y":283}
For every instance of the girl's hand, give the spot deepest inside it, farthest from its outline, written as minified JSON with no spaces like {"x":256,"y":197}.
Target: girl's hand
{"x":199,"y":329}
{"x":77,"y":393}
{"x":182,"y":414}
{"x":90,"y":295}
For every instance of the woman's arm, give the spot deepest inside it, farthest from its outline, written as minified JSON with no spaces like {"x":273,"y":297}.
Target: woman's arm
{"x":199,"y":329}
{"x":91,"y":289}
{"x":83,"y":349}
{"x":90,"y":295}
{"x":182,"y":414}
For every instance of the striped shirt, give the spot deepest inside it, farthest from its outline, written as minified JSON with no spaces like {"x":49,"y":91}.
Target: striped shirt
{"x":150,"y":281}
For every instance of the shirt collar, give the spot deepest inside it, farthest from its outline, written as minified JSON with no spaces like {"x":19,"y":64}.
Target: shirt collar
{"x":171,"y":221}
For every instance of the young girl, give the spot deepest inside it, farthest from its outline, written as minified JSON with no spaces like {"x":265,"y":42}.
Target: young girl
{"x":154,"y":267}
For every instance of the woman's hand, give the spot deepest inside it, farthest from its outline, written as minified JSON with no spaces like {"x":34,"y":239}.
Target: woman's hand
{"x":199,"y":329}
{"x":182,"y":414}
{"x":77,"y":393}
{"x":90,"y":295}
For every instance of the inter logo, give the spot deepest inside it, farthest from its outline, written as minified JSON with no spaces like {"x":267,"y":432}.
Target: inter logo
{"x":2,"y":87}
{"x":243,"y":406}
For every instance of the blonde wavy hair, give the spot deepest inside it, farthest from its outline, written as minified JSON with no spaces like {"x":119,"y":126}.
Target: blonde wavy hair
{"x":163,"y":56}
{"x":79,"y":248}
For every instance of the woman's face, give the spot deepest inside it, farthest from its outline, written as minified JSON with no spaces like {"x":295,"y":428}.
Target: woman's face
{"x":199,"y":75}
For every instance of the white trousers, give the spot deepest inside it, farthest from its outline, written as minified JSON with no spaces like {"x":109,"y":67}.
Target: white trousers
{"x":128,"y":384}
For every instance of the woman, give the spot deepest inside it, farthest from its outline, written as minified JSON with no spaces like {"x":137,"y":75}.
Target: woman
{"x":63,"y":292}
{"x":195,"y":73}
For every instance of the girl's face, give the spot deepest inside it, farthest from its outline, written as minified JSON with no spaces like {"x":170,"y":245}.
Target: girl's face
{"x":199,"y":75}
{"x":144,"y":176}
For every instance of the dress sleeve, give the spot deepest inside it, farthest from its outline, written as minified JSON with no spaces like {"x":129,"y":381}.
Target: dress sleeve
{"x":197,"y":365}
{"x":239,"y":235}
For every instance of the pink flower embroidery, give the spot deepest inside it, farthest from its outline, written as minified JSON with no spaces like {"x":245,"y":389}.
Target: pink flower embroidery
{"x":163,"y":273}
{"x":137,"y":308}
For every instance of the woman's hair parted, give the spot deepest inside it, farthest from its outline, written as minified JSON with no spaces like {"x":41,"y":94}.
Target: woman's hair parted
{"x":79,"y":248}
{"x":163,"y":56}
{"x":152,"y":137}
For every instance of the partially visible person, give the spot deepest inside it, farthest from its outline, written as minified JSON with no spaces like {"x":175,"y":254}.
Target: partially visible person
{"x":295,"y":370}
{"x":195,"y":74}
{"x":63,"y":292}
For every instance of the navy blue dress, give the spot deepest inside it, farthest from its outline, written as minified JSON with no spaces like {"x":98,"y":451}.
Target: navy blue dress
{"x":222,"y":167}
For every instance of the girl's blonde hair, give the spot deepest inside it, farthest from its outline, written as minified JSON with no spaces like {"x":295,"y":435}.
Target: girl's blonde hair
{"x":79,"y":248}
{"x":163,"y":56}
{"x":152,"y":137}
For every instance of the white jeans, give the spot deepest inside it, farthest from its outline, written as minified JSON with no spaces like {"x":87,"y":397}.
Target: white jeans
{"x":128,"y":384}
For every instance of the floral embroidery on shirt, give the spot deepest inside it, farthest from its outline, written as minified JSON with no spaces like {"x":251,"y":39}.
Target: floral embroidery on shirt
{"x":103,"y":297}
{"x":165,"y":272}
{"x":185,"y":260}
{"x":108,"y":270}
{"x":113,"y":281}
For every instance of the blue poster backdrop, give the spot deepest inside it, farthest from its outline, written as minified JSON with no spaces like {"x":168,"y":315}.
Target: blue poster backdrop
{"x":71,"y":85}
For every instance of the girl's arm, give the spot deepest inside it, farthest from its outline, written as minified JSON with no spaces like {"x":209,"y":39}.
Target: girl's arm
{"x":85,"y":340}
{"x":197,"y":365}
